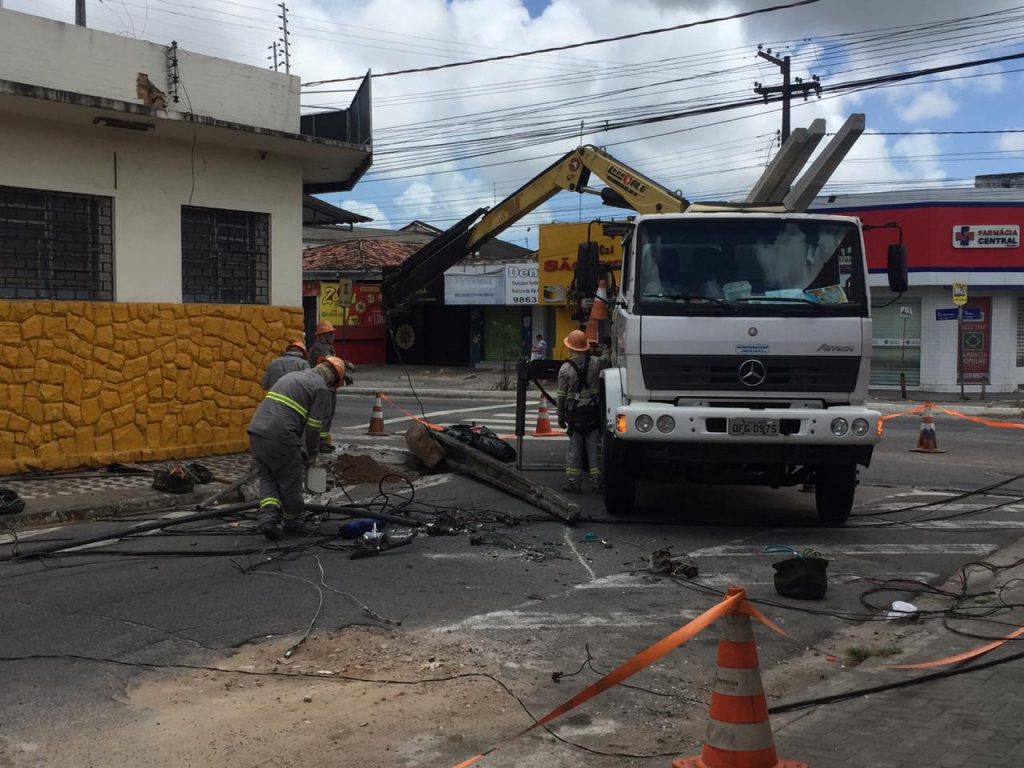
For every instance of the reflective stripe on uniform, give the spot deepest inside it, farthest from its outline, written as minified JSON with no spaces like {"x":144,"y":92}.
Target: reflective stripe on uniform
{"x":269,"y":501}
{"x":315,"y":423}
{"x":286,"y":401}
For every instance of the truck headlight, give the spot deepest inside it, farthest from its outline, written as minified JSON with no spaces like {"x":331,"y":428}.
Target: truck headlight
{"x":839,"y":427}
{"x":644,"y":423}
{"x":665,"y":423}
{"x":860,"y":427}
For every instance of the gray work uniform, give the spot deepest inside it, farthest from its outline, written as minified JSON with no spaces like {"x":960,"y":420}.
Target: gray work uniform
{"x":317,"y":353}
{"x":584,"y":433}
{"x":292,"y":360}
{"x":284,"y":427}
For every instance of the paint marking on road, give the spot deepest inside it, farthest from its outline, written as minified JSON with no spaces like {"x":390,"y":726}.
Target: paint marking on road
{"x":628,"y":581}
{"x":943,"y":525}
{"x":942,"y":507}
{"x":527,"y":620}
{"x":855,"y":550}
{"x":434,"y":414}
{"x":583,"y":561}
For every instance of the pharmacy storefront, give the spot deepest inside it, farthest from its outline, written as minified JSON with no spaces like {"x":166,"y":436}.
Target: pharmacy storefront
{"x":962,"y":321}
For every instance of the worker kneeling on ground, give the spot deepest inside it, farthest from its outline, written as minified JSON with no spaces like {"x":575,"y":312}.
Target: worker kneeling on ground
{"x":293,"y":359}
{"x":284,"y":436}
{"x":578,"y":395}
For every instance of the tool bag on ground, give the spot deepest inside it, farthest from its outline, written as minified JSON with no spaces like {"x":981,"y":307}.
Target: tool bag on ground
{"x":483,"y":439}
{"x":10,"y":502}
{"x":174,"y":479}
{"x":803,"y":576}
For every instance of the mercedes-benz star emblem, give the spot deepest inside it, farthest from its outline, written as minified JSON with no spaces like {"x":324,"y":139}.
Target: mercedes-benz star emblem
{"x":753,"y":373}
{"x":752,"y":331}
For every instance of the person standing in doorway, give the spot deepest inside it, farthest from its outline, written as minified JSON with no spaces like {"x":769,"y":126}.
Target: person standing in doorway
{"x":579,"y":413}
{"x":539,"y":350}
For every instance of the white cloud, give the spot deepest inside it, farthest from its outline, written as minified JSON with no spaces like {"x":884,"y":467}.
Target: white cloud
{"x":380,"y":219}
{"x":927,"y":104}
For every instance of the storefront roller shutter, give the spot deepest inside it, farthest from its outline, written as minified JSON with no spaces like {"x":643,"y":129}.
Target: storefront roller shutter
{"x":896,"y":343}
{"x":1020,"y":332}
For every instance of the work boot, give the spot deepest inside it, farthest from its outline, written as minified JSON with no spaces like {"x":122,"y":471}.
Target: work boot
{"x":298,"y":527}
{"x":572,"y":488}
{"x":269,"y":522}
{"x":597,"y":486}
{"x":325,"y":447}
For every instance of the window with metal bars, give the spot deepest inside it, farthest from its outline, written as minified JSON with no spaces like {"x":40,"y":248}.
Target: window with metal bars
{"x":55,"y":245}
{"x":225,"y":256}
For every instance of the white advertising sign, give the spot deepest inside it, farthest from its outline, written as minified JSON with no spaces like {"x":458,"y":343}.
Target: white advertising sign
{"x":986,"y":236}
{"x":475,"y":285}
{"x":522,"y":282}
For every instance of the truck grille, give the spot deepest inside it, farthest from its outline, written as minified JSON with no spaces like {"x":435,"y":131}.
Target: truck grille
{"x":782,"y":373}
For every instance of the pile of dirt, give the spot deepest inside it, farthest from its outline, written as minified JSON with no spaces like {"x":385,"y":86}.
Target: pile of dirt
{"x":354,"y":469}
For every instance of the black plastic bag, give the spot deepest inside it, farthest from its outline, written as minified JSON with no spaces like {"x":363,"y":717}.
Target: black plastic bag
{"x":483,"y":439}
{"x":802,"y":578}
{"x":10,"y":502}
{"x":177,"y":479}
{"x":201,"y":473}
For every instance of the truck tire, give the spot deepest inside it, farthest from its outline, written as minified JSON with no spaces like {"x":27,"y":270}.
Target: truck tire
{"x":619,"y":468}
{"x":834,"y":487}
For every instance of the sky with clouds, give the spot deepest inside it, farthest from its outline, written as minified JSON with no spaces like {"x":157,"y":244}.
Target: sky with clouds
{"x":678,"y":106}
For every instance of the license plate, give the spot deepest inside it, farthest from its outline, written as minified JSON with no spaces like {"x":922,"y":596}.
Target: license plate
{"x":747,"y":427}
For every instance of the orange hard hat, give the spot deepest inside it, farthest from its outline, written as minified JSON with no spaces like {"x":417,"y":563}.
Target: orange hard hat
{"x":337,"y":365}
{"x":324,"y":326}
{"x":300,"y":345}
{"x":576,"y":341}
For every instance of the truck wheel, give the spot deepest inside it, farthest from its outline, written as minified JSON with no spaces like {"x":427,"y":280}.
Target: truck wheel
{"x":619,"y":468}
{"x":833,"y":492}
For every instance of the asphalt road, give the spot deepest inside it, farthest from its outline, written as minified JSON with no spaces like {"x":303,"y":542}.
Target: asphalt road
{"x":193,"y":592}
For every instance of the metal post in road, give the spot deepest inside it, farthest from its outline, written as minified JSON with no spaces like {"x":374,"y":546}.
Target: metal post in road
{"x":522,"y":378}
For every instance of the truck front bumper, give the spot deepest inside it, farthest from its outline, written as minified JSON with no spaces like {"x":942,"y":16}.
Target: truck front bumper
{"x":840,"y":426}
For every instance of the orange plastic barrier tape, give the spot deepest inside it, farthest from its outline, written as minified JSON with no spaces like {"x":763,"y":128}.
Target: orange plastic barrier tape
{"x":735,"y":603}
{"x":961,"y":656}
{"x":427,"y":424}
{"x":979,"y":420}
{"x":907,"y":412}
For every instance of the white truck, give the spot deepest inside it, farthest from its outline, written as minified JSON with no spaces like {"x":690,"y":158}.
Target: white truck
{"x":741,"y":349}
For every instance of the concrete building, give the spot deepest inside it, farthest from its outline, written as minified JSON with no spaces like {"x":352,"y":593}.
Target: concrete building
{"x":151,"y":213}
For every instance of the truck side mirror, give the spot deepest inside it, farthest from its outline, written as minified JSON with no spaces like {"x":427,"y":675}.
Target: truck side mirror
{"x":588,"y":267}
{"x":897,"y":268}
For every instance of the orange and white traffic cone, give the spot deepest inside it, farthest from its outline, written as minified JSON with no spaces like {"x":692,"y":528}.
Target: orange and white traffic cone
{"x":543,"y":428}
{"x":739,"y":734}
{"x":377,"y":418}
{"x":927,"y":440}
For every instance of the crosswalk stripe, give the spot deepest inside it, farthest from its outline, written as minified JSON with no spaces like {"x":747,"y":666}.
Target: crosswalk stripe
{"x":832,"y":551}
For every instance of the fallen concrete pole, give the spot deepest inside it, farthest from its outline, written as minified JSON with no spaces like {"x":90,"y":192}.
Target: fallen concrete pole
{"x":461,"y":457}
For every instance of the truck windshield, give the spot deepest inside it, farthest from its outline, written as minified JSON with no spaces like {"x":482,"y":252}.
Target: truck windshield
{"x":749,"y":265}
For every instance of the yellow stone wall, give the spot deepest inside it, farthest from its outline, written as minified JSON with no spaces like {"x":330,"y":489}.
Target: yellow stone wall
{"x":96,"y":382}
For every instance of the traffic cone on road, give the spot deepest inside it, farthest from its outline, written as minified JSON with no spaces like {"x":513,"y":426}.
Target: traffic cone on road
{"x":377,"y":418}
{"x":543,"y":428}
{"x":739,"y":734}
{"x":927,"y":440}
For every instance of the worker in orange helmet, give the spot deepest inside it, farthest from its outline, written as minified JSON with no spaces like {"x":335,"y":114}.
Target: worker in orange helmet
{"x":323,"y":347}
{"x":579,"y":413}
{"x":293,"y":359}
{"x":284,"y":436}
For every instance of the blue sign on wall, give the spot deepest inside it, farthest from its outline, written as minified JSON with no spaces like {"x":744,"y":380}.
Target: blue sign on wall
{"x":947,"y":314}
{"x":970,"y":313}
